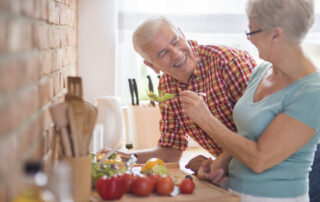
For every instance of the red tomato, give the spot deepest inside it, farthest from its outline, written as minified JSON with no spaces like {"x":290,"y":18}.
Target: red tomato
{"x":153,"y":179}
{"x":110,"y":188}
{"x":187,"y":186}
{"x":164,"y":185}
{"x":128,"y":179}
{"x":142,"y":186}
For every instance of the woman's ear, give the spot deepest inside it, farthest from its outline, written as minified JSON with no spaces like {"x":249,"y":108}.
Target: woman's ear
{"x":277,"y":33}
{"x":149,"y":64}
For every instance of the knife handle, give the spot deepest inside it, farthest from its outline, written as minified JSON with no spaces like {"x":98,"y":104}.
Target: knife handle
{"x":150,"y":83}
{"x":136,"y":91}
{"x":150,"y":88}
{"x":131,"y":90}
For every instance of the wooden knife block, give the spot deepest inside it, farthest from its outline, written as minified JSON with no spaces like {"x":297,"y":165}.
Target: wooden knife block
{"x":142,"y":125}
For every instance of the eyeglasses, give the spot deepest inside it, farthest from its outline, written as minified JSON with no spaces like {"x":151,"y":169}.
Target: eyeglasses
{"x":253,"y":32}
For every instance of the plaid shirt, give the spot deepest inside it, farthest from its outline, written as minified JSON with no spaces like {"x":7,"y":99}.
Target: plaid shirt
{"x":221,"y":73}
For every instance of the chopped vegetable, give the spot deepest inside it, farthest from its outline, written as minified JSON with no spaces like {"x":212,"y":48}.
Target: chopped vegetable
{"x":151,"y":163}
{"x":160,"y":97}
{"x":160,"y":169}
{"x":98,"y":171}
{"x":113,"y":159}
{"x":154,"y":166}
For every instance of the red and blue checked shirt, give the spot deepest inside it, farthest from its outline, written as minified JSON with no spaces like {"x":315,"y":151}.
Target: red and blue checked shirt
{"x":222,"y":73}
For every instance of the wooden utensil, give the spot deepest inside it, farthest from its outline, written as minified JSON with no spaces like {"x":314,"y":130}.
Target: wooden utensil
{"x":88,"y":126}
{"x":74,"y":89}
{"x":59,"y":116}
{"x":76,"y":112}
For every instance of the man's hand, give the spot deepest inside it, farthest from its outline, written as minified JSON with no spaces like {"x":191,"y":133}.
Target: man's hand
{"x":211,"y":172}
{"x":194,"y":163}
{"x":194,"y":107}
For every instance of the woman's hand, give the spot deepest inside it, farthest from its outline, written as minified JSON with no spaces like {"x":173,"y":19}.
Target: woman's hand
{"x":194,"y":106}
{"x":212,"y":172}
{"x":195,"y":163}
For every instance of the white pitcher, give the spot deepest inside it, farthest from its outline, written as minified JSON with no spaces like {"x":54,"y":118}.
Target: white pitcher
{"x":110,"y":116}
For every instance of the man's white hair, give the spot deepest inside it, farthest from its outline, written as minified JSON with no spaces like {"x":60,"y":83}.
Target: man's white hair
{"x":147,"y":30}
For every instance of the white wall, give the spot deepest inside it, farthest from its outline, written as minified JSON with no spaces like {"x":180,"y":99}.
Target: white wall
{"x":97,"y":39}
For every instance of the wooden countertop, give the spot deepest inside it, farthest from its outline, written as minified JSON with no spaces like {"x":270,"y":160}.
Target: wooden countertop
{"x":203,"y":191}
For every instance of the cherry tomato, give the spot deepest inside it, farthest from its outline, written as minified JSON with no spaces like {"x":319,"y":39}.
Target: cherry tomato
{"x":142,"y":186}
{"x":110,"y":188}
{"x":187,"y":186}
{"x":128,"y":179}
{"x":153,"y":178}
{"x":164,"y":185}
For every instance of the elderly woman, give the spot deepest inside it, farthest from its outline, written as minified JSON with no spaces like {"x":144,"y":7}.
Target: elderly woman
{"x":277,"y":118}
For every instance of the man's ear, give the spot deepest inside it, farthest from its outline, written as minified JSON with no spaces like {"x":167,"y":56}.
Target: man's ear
{"x":149,"y":64}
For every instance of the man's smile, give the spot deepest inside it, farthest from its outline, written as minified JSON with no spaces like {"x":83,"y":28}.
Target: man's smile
{"x":181,"y":62}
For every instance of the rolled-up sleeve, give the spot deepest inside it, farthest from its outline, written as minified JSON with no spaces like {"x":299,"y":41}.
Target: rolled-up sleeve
{"x":173,"y":134}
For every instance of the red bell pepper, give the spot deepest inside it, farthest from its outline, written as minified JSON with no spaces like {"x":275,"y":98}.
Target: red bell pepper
{"x":110,"y":188}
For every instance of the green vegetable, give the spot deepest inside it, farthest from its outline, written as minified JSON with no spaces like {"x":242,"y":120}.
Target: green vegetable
{"x":160,"y":97}
{"x":98,"y":171}
{"x":113,"y":156}
{"x":158,"y":169}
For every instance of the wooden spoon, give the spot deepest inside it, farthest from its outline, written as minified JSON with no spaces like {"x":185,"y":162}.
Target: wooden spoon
{"x":76,"y":112}
{"x":88,"y":126}
{"x":59,"y":116}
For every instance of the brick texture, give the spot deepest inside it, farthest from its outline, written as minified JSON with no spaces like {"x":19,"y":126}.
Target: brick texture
{"x":38,"y":50}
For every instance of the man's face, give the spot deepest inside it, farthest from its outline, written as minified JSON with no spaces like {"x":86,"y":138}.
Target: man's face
{"x":171,"y":54}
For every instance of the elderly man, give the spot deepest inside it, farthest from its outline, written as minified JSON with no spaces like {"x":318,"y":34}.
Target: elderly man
{"x":218,"y":73}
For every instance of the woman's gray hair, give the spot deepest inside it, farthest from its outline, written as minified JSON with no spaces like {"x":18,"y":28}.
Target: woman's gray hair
{"x":295,"y":17}
{"x":146,"y":32}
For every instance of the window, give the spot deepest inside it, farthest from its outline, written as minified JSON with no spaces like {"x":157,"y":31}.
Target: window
{"x":206,"y":21}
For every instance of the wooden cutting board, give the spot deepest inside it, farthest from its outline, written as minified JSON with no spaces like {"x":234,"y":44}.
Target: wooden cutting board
{"x":203,"y":191}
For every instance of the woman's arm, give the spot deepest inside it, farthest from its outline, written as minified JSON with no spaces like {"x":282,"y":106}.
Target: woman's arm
{"x":282,"y":138}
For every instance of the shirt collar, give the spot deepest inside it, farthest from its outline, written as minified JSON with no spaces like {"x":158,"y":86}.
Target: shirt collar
{"x":196,"y":51}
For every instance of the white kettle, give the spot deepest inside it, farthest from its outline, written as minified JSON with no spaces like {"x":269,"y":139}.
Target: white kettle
{"x":110,"y":116}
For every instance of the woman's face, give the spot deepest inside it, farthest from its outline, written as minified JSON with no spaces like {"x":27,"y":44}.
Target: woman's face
{"x":261,"y":40}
